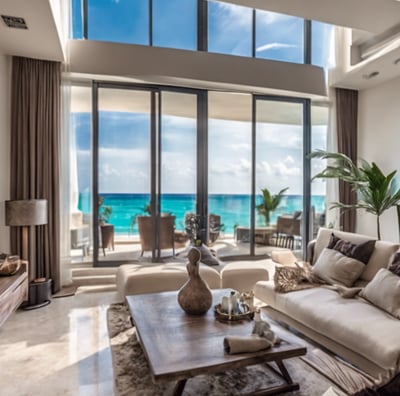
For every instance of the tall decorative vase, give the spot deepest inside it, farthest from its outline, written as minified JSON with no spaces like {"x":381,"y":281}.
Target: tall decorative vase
{"x":195,"y":296}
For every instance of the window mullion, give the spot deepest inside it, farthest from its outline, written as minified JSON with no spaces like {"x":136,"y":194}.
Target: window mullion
{"x":202,"y":25}
{"x":307,"y":42}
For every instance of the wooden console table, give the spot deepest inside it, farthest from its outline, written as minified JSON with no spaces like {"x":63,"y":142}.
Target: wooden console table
{"x":13,"y":291}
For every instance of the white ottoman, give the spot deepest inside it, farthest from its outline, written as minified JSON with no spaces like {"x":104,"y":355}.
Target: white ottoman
{"x":243,"y":275}
{"x":154,"y":278}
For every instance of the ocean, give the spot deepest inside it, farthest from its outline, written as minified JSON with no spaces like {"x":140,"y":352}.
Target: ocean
{"x":234,"y":209}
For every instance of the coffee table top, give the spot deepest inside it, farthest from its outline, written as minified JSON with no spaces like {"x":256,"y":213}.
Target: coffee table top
{"x":180,"y":346}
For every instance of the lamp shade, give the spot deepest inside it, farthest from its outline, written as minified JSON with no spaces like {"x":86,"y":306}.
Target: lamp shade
{"x":26,"y":212}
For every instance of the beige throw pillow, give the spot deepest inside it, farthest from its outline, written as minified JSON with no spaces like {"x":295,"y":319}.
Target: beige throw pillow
{"x":335,"y":268}
{"x":284,"y":257}
{"x":384,"y":292}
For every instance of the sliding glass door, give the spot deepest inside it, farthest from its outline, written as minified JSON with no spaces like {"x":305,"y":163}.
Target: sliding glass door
{"x":229,"y":172}
{"x":178,"y":162}
{"x":145,"y":171}
{"x":258,"y":173}
{"x":123,"y":169}
{"x":279,"y":174}
{"x":162,"y":155}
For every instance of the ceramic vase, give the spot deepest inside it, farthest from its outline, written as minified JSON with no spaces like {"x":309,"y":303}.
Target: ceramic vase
{"x":195,"y":296}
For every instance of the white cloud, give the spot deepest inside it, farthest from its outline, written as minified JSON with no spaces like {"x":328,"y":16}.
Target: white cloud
{"x":238,"y":15}
{"x":274,"y":46}
{"x":241,"y":147}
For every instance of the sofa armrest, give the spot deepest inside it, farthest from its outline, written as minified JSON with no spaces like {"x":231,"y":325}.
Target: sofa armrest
{"x":310,"y":251}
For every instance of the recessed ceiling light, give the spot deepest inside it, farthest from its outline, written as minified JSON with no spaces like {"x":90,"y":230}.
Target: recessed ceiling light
{"x":370,"y":75}
{"x":14,"y":22}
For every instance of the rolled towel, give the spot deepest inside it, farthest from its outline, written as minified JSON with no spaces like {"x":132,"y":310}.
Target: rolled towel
{"x":243,"y":344}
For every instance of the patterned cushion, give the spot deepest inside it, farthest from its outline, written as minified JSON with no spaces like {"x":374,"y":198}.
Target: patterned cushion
{"x":361,"y":252}
{"x":395,"y":266}
{"x":289,"y":278}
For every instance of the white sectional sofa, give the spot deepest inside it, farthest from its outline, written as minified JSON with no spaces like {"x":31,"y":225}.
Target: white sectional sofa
{"x":353,"y":328}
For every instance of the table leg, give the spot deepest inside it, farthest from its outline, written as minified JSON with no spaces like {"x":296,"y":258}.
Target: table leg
{"x":288,"y":386}
{"x":180,"y":385}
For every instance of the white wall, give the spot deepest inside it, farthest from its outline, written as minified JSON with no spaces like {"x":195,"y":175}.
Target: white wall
{"x":5,"y":98}
{"x":379,"y":141}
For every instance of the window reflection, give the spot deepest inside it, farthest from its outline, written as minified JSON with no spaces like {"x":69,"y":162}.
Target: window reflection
{"x":175,"y":24}
{"x":229,"y":29}
{"x":119,"y":21}
{"x":279,"y":37}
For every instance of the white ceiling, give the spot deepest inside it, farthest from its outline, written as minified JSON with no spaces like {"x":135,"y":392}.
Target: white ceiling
{"x":43,"y":40}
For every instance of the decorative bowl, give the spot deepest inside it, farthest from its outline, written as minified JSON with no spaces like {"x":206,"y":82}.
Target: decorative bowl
{"x":245,"y":314}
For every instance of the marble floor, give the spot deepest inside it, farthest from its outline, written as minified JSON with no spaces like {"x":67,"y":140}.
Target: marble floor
{"x":60,"y":349}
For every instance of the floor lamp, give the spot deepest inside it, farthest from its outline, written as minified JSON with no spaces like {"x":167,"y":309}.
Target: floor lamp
{"x":26,"y":213}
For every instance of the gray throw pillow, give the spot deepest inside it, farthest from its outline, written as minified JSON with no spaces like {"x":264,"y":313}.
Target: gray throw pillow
{"x":384,"y":292}
{"x":208,"y":256}
{"x":361,"y":252}
{"x":335,"y":268}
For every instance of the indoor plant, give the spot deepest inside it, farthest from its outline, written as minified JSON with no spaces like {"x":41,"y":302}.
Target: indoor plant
{"x":269,"y":203}
{"x":376,"y":191}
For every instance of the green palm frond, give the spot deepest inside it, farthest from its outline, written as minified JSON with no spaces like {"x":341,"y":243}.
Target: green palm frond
{"x":376,"y":191}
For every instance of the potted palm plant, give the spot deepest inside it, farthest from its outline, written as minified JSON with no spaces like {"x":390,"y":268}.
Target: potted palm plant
{"x":376,"y":191}
{"x":105,"y":211}
{"x":270,"y":203}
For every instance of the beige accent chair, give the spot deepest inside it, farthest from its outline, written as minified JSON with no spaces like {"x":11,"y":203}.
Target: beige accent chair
{"x":166,"y":233}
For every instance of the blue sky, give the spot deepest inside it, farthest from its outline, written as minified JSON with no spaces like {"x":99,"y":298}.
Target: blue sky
{"x":124,"y":137}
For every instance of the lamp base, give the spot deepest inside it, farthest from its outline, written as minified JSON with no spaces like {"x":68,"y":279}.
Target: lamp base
{"x":39,"y":294}
{"x":29,"y":307}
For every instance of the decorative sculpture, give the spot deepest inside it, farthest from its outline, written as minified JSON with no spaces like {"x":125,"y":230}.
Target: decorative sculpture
{"x":195,"y":296}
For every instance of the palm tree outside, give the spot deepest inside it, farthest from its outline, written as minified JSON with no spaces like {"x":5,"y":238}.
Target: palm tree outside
{"x":269,"y":203}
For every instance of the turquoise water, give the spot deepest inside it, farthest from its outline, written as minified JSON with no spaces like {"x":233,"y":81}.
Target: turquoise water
{"x":233,"y":209}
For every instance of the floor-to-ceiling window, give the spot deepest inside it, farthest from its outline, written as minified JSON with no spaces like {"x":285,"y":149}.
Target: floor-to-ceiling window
{"x":123,"y":166}
{"x":80,"y":173}
{"x":155,"y":153}
{"x":279,"y":174}
{"x":229,"y":171}
{"x":178,"y":157}
{"x":319,"y":141}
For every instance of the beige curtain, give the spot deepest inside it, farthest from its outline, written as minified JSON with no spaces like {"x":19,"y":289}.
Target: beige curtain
{"x":346,"y":123}
{"x":35,"y":137}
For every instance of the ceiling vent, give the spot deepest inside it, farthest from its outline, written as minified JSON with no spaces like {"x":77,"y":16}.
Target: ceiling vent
{"x":14,"y":22}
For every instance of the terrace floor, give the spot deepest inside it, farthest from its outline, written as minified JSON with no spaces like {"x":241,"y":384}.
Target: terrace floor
{"x":127,"y":248}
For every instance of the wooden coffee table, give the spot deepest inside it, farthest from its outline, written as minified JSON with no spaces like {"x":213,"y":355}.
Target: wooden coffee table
{"x":179,"y":346}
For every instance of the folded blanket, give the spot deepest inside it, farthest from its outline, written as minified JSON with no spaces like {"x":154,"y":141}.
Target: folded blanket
{"x":243,"y":344}
{"x":345,"y":292}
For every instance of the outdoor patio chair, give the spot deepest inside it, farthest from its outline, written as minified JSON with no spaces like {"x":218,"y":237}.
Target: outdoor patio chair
{"x":166,"y":233}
